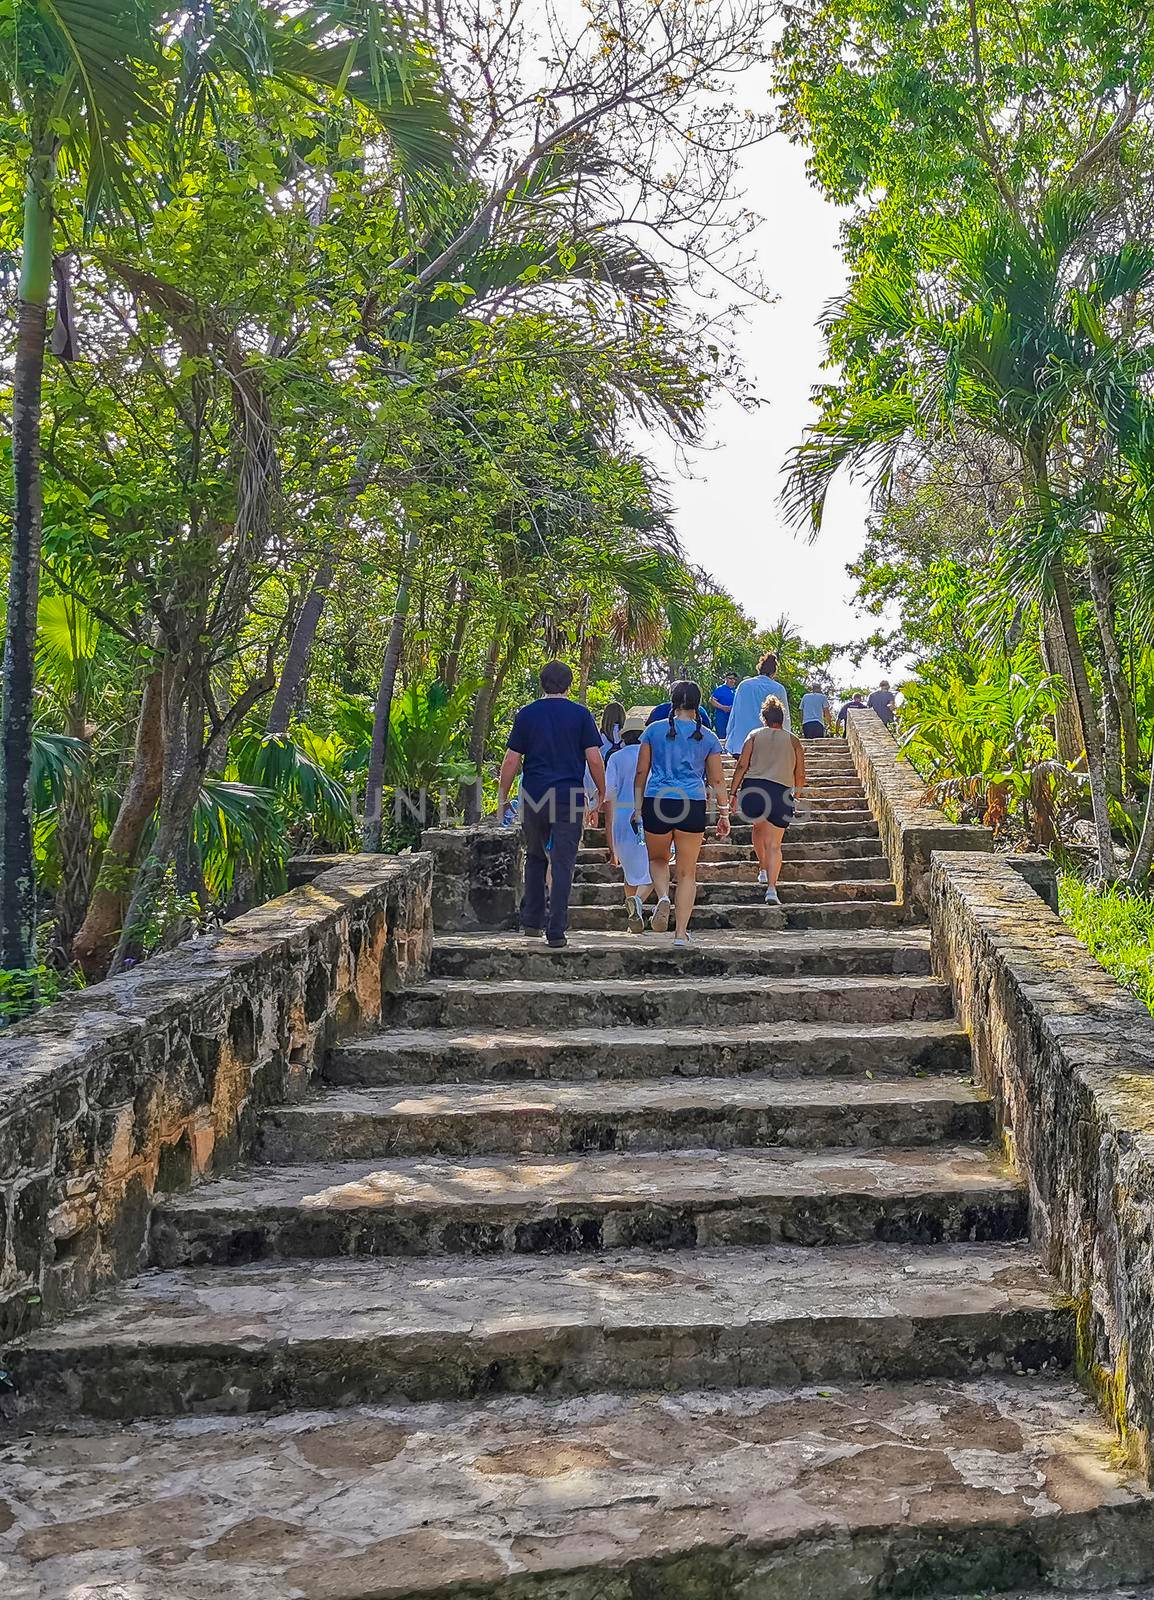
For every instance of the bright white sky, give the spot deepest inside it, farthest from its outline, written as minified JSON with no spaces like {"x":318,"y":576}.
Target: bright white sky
{"x":728,"y":515}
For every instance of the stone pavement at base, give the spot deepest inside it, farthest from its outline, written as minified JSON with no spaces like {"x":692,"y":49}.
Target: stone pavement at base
{"x":583,"y":1281}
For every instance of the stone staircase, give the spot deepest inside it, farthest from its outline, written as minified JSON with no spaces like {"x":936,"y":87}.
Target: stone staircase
{"x":608,"y":1273}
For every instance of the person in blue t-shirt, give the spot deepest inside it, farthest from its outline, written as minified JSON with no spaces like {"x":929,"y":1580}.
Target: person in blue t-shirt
{"x":678,"y":760}
{"x":721,"y":703}
{"x":553,"y":741}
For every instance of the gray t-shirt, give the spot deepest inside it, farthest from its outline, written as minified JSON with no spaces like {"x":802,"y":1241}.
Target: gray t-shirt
{"x":814,"y":706}
{"x":884,"y":702}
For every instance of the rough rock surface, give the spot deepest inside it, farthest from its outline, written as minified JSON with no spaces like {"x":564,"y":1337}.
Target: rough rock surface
{"x":615,"y":1273}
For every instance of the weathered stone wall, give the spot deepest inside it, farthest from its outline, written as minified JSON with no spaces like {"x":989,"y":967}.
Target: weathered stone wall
{"x":153,"y":1079}
{"x":1068,"y":1056}
{"x":477,"y":876}
{"x":911,"y":828}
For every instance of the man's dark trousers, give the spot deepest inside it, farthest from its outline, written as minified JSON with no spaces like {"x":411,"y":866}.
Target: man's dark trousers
{"x":558,"y":819}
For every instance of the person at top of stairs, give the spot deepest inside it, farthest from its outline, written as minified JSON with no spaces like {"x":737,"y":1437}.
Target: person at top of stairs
{"x":626,"y":842}
{"x":677,"y":760}
{"x":767,"y":783}
{"x":748,"y":700}
{"x":553,"y":741}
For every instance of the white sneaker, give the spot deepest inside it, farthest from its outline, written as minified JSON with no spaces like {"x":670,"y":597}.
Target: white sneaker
{"x":771,"y":897}
{"x":662,"y":911}
{"x":680,"y":944}
{"x":636,"y":922}
{"x":763,"y":876}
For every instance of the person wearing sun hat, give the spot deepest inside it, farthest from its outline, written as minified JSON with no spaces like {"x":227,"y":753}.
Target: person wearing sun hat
{"x":627,"y":844}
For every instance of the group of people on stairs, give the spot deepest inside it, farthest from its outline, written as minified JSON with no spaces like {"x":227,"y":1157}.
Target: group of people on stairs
{"x":651,"y":772}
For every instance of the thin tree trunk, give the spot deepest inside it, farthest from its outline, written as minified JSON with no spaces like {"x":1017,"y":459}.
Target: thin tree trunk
{"x":296,"y":659}
{"x":479,"y":732}
{"x":1101,"y":572}
{"x":17,"y":864}
{"x":96,"y":940}
{"x":1099,"y":798}
{"x":452,"y":670}
{"x":184,"y":756}
{"x":372,"y":831}
{"x":1144,"y":853}
{"x":1067,"y":723}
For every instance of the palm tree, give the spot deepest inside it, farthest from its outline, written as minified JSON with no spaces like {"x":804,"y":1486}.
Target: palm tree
{"x":92,"y":82}
{"x":1012,"y":339}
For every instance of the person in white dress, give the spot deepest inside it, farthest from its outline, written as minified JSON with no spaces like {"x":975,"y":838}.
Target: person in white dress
{"x":626,"y":845}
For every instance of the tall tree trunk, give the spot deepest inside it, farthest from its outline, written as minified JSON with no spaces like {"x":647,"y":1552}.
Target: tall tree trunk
{"x":1067,"y":722}
{"x":17,"y":865}
{"x":182,"y":720}
{"x":1099,"y":798}
{"x":482,"y":721}
{"x":1144,"y":853}
{"x":1117,"y":685}
{"x":452,"y":669}
{"x":96,"y":940}
{"x":296,"y":659}
{"x":372,"y":830}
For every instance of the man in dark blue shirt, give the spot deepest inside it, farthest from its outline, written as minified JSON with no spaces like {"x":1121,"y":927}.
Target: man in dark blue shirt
{"x":552,"y":742}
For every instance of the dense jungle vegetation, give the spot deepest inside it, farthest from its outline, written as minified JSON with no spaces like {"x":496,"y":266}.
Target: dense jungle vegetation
{"x":334,"y":333}
{"x":990,"y":374}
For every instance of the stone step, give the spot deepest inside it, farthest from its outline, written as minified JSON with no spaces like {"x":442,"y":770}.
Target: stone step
{"x":346,"y":1332}
{"x":658,"y":1002}
{"x":745,"y":871}
{"x":711,"y":852}
{"x":678,"y":1200}
{"x":755,"y":914}
{"x":916,"y":1488}
{"x":785,"y":1050}
{"x":658,"y":1114}
{"x":805,"y":831}
{"x":713,"y":955}
{"x":726,"y":891}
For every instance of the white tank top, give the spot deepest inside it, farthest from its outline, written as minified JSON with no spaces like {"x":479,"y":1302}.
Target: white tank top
{"x":772,"y":756}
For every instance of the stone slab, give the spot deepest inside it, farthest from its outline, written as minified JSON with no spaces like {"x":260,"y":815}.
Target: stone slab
{"x":794,"y":1049}
{"x":713,"y":954}
{"x":678,"y":1199}
{"x":754,"y":914}
{"x":725,"y":892}
{"x":344,"y":1332}
{"x":954,"y":1486}
{"x":655,"y":1114}
{"x":658,"y":1002}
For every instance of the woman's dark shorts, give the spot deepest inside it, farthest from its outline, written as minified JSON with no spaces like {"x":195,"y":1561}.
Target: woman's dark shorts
{"x":813,"y":730}
{"x":667,"y":813}
{"x":759,"y":800}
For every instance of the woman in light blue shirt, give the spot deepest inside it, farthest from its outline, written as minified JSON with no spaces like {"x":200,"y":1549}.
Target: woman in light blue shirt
{"x":678,"y":761}
{"x":752,"y":693}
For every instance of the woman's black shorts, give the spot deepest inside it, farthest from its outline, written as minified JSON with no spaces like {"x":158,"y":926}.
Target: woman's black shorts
{"x":668,"y":813}
{"x":760,"y":800}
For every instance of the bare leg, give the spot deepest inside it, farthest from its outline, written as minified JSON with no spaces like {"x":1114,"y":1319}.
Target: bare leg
{"x":773,"y":852}
{"x":761,"y":845}
{"x":659,"y":846}
{"x":688,"y":850}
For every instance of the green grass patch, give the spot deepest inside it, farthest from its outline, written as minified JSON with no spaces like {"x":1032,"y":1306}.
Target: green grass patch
{"x":1117,"y":925}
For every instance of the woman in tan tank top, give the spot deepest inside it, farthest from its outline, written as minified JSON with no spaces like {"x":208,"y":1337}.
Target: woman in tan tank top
{"x":769,"y":777}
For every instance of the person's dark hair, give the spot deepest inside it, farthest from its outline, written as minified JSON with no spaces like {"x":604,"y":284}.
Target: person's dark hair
{"x":632,"y":737}
{"x":767,"y":665}
{"x":772,"y":712}
{"x":611,"y":719}
{"x":731,"y":673}
{"x":685,"y":696}
{"x":556,"y":678}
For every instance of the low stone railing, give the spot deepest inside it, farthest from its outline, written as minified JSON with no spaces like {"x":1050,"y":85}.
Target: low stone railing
{"x":1068,"y":1058}
{"x":477,"y":873}
{"x":911,"y":827}
{"x":154,"y":1079}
